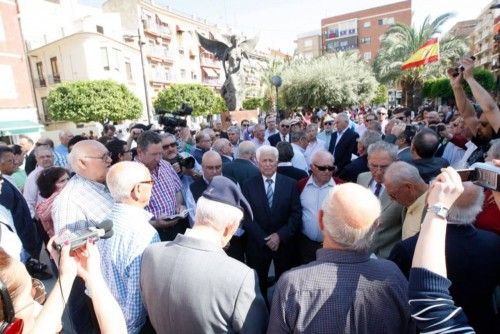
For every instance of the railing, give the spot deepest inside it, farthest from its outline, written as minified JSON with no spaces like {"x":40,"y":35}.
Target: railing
{"x":159,"y":52}
{"x":209,"y":62}
{"x":54,"y":79}
{"x":39,"y":83}
{"x":157,"y":29}
{"x":213,"y":82}
{"x":161,"y":77}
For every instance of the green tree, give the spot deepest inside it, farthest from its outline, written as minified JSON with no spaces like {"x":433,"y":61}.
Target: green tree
{"x":400,"y":42}
{"x":381,"y":95}
{"x":95,"y":100}
{"x":202,"y":99}
{"x":252,"y":103}
{"x":335,"y":80}
{"x":441,"y":87}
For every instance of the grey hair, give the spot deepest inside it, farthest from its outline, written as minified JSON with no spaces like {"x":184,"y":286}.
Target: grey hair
{"x":321,"y":152}
{"x":267,"y":149}
{"x":121,"y":182}
{"x":341,"y":232}
{"x":42,"y":148}
{"x":343,"y":116}
{"x":259,"y":127}
{"x":494,"y":151}
{"x":466,"y":215}
{"x":216,"y":214}
{"x":245,"y":148}
{"x":167,"y":135}
{"x":311,"y":126}
{"x":219,"y":144}
{"x":400,"y":172}
{"x":295,"y":136}
{"x":234,"y":128}
{"x":383,"y":146}
{"x":370,"y":137}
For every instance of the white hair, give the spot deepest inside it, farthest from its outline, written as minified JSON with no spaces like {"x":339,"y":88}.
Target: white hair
{"x":216,"y":214}
{"x":336,"y":224}
{"x":122,"y":178}
{"x":266,"y":149}
{"x":466,"y":215}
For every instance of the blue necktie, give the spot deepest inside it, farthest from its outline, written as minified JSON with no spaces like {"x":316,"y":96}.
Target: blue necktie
{"x":378,"y":187}
{"x":269,"y":192}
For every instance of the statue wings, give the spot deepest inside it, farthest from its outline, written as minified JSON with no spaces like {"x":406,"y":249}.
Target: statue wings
{"x":216,"y":47}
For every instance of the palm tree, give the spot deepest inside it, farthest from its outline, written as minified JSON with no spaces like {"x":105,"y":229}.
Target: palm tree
{"x":400,"y":42}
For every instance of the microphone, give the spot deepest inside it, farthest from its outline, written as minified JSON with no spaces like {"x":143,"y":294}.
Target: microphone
{"x":77,"y":239}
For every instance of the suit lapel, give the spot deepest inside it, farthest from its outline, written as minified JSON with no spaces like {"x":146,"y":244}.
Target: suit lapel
{"x":263,"y":195}
{"x":385,"y":200}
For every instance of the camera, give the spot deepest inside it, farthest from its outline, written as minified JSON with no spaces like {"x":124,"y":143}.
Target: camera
{"x":484,"y":174}
{"x":171,"y":122}
{"x":460,"y":68}
{"x":185,"y":160}
{"x":78,"y":238}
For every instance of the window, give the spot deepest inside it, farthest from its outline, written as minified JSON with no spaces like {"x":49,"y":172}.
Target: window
{"x":39,"y":70}
{"x":183,"y":73}
{"x":367,"y":24}
{"x":2,"y":31}
{"x":117,"y":59}
{"x":308,"y":43}
{"x":367,"y":56}
{"x":105,"y":58}
{"x":99,"y":29}
{"x":128,"y":69}
{"x":386,"y":21}
{"x":380,"y":22}
{"x":366,"y":40}
{"x":55,"y":70}
{"x":7,"y":84}
{"x":45,"y":108}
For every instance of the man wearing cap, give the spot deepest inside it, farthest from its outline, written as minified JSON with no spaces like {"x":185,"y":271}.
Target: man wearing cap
{"x":282,"y":135}
{"x":190,"y":285}
{"x":326,"y":134}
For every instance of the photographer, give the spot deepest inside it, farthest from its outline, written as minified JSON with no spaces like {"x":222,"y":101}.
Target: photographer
{"x":483,"y":125}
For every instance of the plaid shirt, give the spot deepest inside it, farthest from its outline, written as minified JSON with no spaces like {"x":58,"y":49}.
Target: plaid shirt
{"x":166,"y":185}
{"x":121,"y":260}
{"x":80,"y":204}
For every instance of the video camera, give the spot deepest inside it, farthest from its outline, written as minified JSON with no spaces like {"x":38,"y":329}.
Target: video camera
{"x":484,"y":174}
{"x":78,"y":238}
{"x":185,"y":160}
{"x":171,"y":122}
{"x":460,"y":68}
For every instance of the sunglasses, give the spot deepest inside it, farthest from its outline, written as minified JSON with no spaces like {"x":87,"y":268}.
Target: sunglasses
{"x":324,"y":168}
{"x":245,"y":125}
{"x":171,"y":145}
{"x":328,"y":123}
{"x":285,"y":126}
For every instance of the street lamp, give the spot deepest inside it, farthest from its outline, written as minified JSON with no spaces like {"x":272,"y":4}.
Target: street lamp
{"x":129,"y":38}
{"x":276,"y":81}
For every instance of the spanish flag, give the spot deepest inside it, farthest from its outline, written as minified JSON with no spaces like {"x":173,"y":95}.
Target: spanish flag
{"x":427,"y":53}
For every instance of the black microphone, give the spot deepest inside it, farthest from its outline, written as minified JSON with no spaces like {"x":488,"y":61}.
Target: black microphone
{"x":77,"y":239}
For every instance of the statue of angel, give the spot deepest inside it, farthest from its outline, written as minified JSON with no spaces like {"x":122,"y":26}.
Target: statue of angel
{"x":231,"y":57}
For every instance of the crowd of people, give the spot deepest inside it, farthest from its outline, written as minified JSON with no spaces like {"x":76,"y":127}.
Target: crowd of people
{"x":328,"y":222}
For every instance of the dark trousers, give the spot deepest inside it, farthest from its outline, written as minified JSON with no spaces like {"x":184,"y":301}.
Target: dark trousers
{"x":236,"y":248}
{"x":307,"y":249}
{"x":259,"y":258}
{"x":80,"y":309}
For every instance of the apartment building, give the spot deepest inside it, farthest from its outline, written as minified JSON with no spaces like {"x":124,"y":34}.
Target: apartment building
{"x":17,"y":109}
{"x":485,"y":37}
{"x":362,"y":30}
{"x":308,"y":44}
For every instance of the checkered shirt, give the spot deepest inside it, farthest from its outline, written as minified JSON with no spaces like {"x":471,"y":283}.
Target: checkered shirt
{"x":121,"y":260}
{"x":166,"y":185}
{"x":82,"y":203}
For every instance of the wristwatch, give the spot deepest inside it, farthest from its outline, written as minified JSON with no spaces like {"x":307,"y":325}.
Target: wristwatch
{"x":439,"y":210}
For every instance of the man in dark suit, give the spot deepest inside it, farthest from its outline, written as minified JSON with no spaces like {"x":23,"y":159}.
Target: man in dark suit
{"x":343,"y":143}
{"x":472,"y":261}
{"x":224,"y":148}
{"x":285,"y":167}
{"x":360,"y":165}
{"x":242,"y":168}
{"x":277,"y":216}
{"x":423,"y":149}
{"x":282,"y":135}
{"x":211,"y":165}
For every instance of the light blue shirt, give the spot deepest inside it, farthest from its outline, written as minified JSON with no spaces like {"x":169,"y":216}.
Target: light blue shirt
{"x":312,"y":198}
{"x":61,"y":156}
{"x":298,"y":160}
{"x":121,"y":257}
{"x":326,"y":137}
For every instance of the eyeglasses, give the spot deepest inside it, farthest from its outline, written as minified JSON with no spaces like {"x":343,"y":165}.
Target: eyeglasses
{"x":285,"y":126}
{"x":171,"y":145}
{"x":324,"y":168}
{"x":151,"y":182}
{"x":370,"y":119}
{"x":245,"y":125}
{"x":104,"y":157}
{"x":328,"y":123}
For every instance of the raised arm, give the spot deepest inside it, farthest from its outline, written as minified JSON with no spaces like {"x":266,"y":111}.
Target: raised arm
{"x":464,"y":106}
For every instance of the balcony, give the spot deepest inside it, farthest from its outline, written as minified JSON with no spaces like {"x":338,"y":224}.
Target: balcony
{"x":159,"y":54}
{"x":158,"y":30}
{"x":211,"y":82}
{"x":54,"y":79}
{"x":329,"y":35}
{"x":205,"y":61}
{"x":161,"y":77}
{"x":40,"y":83}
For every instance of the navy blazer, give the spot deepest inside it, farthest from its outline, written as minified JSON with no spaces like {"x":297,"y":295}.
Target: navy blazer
{"x":354,"y":168}
{"x":276,"y":138}
{"x":285,"y":216}
{"x":293,"y":172}
{"x":346,"y":147}
{"x":240,"y":170}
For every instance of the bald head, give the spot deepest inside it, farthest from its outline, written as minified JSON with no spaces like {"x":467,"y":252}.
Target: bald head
{"x":346,"y":223}
{"x":124,"y":177}
{"x":211,"y":164}
{"x":246,"y":150}
{"x":90,"y":159}
{"x":403,"y":183}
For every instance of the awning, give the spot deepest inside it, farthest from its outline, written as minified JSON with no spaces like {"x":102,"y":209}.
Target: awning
{"x":10,"y":128}
{"x":162,"y":18}
{"x":210,"y":72}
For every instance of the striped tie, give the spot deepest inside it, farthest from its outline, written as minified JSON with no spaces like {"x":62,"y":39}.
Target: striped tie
{"x":269,"y":192}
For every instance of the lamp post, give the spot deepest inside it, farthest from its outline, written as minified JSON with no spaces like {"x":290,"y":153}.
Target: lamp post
{"x":276,"y":81}
{"x":146,"y":93}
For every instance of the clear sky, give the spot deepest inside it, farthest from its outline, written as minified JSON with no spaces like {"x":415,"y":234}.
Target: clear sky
{"x":279,"y":21}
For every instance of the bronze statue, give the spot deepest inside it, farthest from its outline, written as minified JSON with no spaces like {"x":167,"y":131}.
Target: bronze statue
{"x":231,"y":57}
